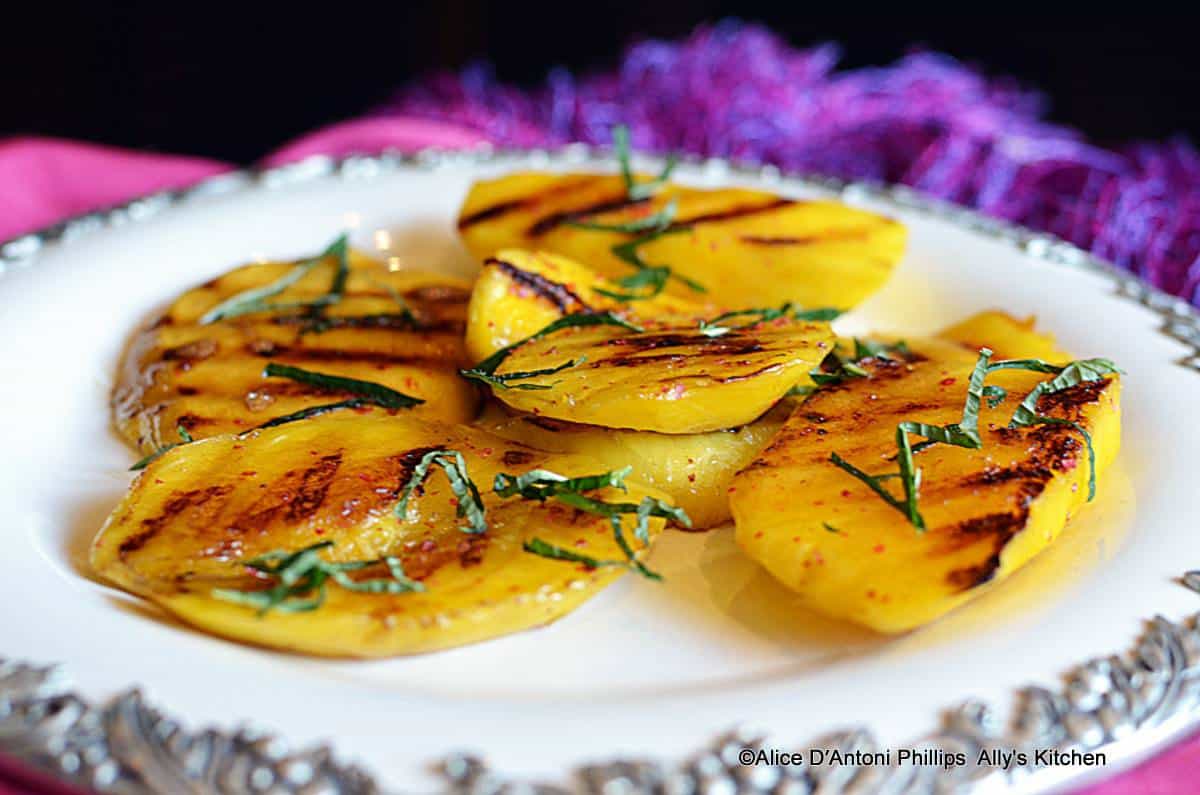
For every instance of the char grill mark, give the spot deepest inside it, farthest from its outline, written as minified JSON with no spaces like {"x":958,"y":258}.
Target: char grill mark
{"x":314,"y":486}
{"x":557,"y":219}
{"x":393,"y":321}
{"x":563,"y":297}
{"x":513,"y":205}
{"x":516,"y":458}
{"x":488,"y":213}
{"x":856,"y":233}
{"x":1071,"y":399}
{"x":209,"y":500}
{"x":740,"y":211}
{"x":999,"y":528}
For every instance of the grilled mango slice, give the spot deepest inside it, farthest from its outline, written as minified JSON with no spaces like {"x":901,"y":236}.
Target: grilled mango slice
{"x":667,"y":380}
{"x":693,"y":470}
{"x":1006,"y":336}
{"x":823,"y":533}
{"x":400,"y":329}
{"x":750,"y":248}
{"x":203,"y":508}
{"x":519,"y":292}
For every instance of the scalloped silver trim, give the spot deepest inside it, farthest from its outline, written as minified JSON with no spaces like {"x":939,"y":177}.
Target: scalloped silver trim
{"x":1125,"y":705}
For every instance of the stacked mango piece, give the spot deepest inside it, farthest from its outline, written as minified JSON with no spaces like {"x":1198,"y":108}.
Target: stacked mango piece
{"x":346,"y":460}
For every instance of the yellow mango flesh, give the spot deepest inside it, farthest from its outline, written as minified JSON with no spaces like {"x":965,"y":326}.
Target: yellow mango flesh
{"x":519,"y":292}
{"x":693,"y":470}
{"x":669,"y":380}
{"x":1006,"y":336}
{"x":748,"y":248}
{"x":825,"y":535}
{"x":202,"y":508}
{"x":207,"y":378}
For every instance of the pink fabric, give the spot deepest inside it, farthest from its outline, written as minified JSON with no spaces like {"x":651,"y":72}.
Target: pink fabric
{"x":44,"y":180}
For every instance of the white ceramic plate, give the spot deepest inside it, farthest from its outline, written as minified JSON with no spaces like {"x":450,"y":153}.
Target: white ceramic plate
{"x":643,"y":670}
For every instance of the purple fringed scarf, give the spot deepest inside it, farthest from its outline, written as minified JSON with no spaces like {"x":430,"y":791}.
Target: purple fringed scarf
{"x":927,"y":121}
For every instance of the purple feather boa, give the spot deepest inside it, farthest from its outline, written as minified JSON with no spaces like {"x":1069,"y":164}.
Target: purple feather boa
{"x":927,"y":121}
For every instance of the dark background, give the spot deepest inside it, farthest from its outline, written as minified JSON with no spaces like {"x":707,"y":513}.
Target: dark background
{"x":233,"y":82}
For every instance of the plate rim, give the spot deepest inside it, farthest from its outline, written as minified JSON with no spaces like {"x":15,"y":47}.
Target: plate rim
{"x":1127,"y":706}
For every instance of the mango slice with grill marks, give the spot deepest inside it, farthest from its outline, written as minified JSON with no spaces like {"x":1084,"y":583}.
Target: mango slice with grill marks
{"x":671,"y":376}
{"x":693,"y":470}
{"x":519,"y":292}
{"x":748,"y":248}
{"x":673,"y":380}
{"x":207,"y":377}
{"x":824,"y":534}
{"x":201,"y":509}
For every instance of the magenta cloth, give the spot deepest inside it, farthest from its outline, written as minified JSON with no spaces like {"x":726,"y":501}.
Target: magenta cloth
{"x":734,"y":91}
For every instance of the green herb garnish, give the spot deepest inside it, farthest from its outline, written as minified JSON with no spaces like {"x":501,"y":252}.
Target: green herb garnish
{"x":637,"y":190}
{"x":256,"y":300}
{"x":185,"y":438}
{"x":1069,"y":376}
{"x":301,"y":578}
{"x":505,"y":381}
{"x":908,"y":474}
{"x":715,"y":327}
{"x":650,"y":280}
{"x":485,"y":370}
{"x":655,"y":222}
{"x":845,"y":369}
{"x":304,"y":414}
{"x":837,"y":368}
{"x":628,"y":252}
{"x":368,"y":391}
{"x":869,"y":349}
{"x":965,"y":432}
{"x":541,"y":485}
{"x":537,"y":546}
{"x":470,"y":503}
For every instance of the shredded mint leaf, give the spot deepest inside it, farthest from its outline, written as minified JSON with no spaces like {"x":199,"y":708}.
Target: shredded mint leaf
{"x":910,"y":479}
{"x":654,"y":222}
{"x":630,"y":555}
{"x":822,"y":314}
{"x":537,"y":546}
{"x":910,"y":476}
{"x":184,"y":437}
{"x":256,"y":300}
{"x":637,"y":190}
{"x":654,"y":278}
{"x":628,"y":252}
{"x":470,"y":503}
{"x":304,"y":414}
{"x":1071,"y":375}
{"x":965,"y":432}
{"x":837,"y":367}
{"x":301,"y":577}
{"x":505,"y":381}
{"x":488,"y":366}
{"x":368,"y":391}
{"x":716,"y":328}
{"x":542,"y":484}
{"x":995,"y":395}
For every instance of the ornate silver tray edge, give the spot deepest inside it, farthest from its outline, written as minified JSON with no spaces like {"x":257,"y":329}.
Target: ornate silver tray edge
{"x":1127,"y":706}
